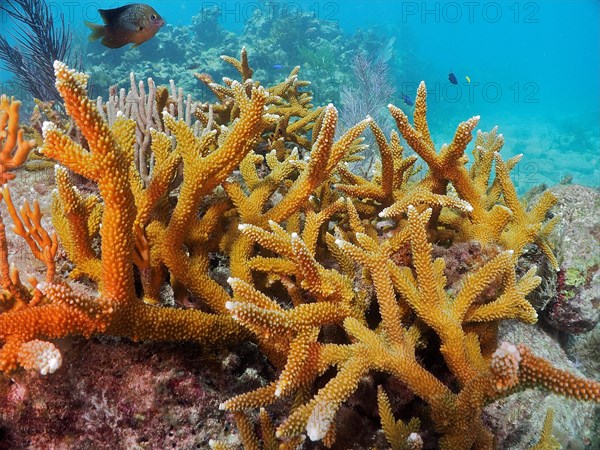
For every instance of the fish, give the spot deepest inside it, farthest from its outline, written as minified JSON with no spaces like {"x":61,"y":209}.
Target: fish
{"x":386,"y":52}
{"x":277,"y":66}
{"x":452,"y":78}
{"x":468,"y":78}
{"x":406,"y":99}
{"x":130,"y":24}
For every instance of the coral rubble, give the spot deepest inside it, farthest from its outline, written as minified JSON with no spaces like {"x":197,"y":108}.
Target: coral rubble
{"x":333,"y":275}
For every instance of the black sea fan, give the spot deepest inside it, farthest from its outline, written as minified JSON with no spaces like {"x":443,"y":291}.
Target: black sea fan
{"x":37,"y":42}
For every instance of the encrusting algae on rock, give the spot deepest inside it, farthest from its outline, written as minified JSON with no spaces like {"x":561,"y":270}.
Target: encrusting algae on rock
{"x":331,"y":274}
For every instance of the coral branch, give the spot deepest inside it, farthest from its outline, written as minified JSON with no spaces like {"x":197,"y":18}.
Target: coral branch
{"x":14,"y":148}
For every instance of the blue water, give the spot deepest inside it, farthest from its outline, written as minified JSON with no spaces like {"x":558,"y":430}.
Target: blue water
{"x":534,"y":66}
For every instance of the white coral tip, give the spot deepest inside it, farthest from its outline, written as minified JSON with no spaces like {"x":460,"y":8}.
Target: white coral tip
{"x":53,"y":363}
{"x":40,"y":355}
{"x":319,"y":421}
{"x":414,"y":440}
{"x":46,"y":127}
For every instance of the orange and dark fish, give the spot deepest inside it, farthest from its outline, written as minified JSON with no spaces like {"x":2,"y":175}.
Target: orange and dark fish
{"x":452,"y":78}
{"x":130,"y":24}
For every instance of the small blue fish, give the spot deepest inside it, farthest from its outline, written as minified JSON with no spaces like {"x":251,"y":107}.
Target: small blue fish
{"x":452,"y":78}
{"x":406,"y":99}
{"x":277,"y":66}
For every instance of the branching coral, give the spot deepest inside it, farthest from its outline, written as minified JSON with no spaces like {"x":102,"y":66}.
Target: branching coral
{"x":547,"y":440}
{"x":400,"y":435}
{"x":109,"y":162}
{"x":333,"y":275}
{"x":391,"y":347}
{"x":449,"y":203}
{"x":15,"y":148}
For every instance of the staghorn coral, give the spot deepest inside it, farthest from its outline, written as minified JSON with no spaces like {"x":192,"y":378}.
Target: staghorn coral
{"x":547,"y":440}
{"x":398,"y":434}
{"x":465,"y":324}
{"x":331,"y":274}
{"x":391,"y":347}
{"x":117,"y":310}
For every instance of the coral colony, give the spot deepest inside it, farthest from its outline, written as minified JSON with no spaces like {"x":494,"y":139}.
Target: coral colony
{"x":329,"y":272}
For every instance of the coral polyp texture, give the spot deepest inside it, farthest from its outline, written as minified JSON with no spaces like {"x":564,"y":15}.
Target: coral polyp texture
{"x":332,"y":274}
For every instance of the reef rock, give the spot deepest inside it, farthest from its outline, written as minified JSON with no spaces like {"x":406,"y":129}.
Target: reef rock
{"x":574,"y":309}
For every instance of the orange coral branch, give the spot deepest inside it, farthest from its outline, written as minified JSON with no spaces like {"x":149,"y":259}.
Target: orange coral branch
{"x":14,"y":149}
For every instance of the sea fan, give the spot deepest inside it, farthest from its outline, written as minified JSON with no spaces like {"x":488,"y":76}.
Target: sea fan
{"x":37,"y":42}
{"x":369,"y":97}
